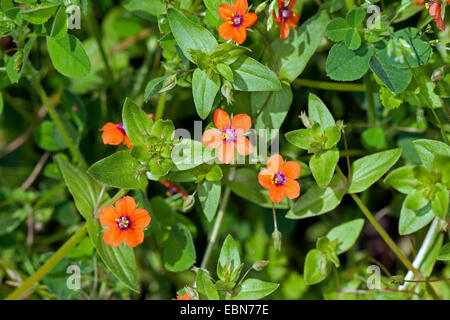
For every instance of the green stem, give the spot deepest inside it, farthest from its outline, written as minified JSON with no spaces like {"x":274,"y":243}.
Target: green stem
{"x":161,"y":106}
{"x":16,"y":294}
{"x":51,"y":110}
{"x":98,"y":38}
{"x":380,"y":229}
{"x":328,"y":85}
{"x":218,"y":222}
{"x":370,"y":100}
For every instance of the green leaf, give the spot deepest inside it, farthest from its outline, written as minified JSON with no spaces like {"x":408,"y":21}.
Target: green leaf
{"x":322,"y":166}
{"x":154,"y":87}
{"x":9,"y":221}
{"x":409,"y":179}
{"x":16,"y":64}
{"x":145,"y":9}
{"x":301,"y":138}
{"x":163,"y":129}
{"x":229,"y":263}
{"x":352,"y":39}
{"x":120,"y":170}
{"x":369,"y":169}
{"x":318,"y":112}
{"x":1,"y":103}
{"x":48,"y":137}
{"x":136,"y":122}
{"x":355,"y":17}
{"x":444,"y":254}
{"x":244,"y":186}
{"x":68,"y":56}
{"x":337,"y":29}
{"x":179,"y":251}
{"x":215,"y":174}
{"x":254,"y":289}
{"x":189,"y":35}
{"x":59,"y":26}
{"x":395,"y":79}
{"x":251,"y":75}
{"x":411,"y":220}
{"x":440,"y":202}
{"x":388,"y":99}
{"x":39,"y":15}
{"x":406,"y":42}
{"x":276,"y":107}
{"x":292,"y":56}
{"x":428,"y":149}
{"x":317,"y":267}
{"x":373,"y":139}
{"x":86,"y":192}
{"x":317,"y":201}
{"x":204,"y":90}
{"x":344,"y":64}
{"x":209,"y":196}
{"x":205,"y":286}
{"x":346,"y":234}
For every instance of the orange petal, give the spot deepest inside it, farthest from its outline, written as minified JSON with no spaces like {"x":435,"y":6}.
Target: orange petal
{"x":241,"y":123}
{"x":212,"y":138}
{"x":284,"y":30}
{"x":226,"y":31}
{"x":134,"y":237}
{"x":225,"y":11}
{"x":291,"y":4}
{"x":265,"y":178}
{"x":107,"y":216}
{"x":276,"y":193}
{"x":291,"y":170}
{"x":275,"y":163}
{"x":240,"y":34}
{"x":128,"y":142}
{"x":113,"y":237}
{"x":140,"y":219}
{"x":226,"y":152}
{"x":293,"y":20}
{"x":440,"y":23}
{"x":221,"y":119}
{"x":241,"y":6}
{"x":249,"y":19}
{"x":108,"y":126}
{"x":292,"y":189}
{"x":243,"y":146}
{"x":113,"y":136}
{"x":125,"y":206}
{"x":280,"y":4}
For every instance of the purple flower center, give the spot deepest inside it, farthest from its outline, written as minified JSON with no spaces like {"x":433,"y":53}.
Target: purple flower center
{"x":123,"y":223}
{"x":120,"y":127}
{"x":278,"y":179}
{"x":285,"y":13}
{"x":229,"y":135}
{"x":235,"y":20}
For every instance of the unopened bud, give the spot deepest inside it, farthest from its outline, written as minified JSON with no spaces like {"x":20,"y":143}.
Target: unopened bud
{"x":437,"y":74}
{"x":259,"y":265}
{"x":188,"y":203}
{"x":227,"y":92}
{"x":276,"y":236}
{"x":169,"y":83}
{"x":398,"y":280}
{"x":305,"y":119}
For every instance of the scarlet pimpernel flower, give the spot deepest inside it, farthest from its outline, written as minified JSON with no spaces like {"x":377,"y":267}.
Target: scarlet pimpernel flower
{"x":184,"y":297}
{"x":279,"y":178}
{"x":114,"y":134}
{"x":287,"y":17}
{"x":434,"y":9}
{"x":228,"y":135}
{"x":237,"y":20}
{"x":124,"y":222}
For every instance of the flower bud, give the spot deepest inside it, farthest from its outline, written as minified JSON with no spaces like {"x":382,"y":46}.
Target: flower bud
{"x":259,"y":265}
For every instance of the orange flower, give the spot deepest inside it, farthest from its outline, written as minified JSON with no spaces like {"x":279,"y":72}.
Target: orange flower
{"x":228,"y":135}
{"x":434,"y":9}
{"x":184,"y":297}
{"x":115,"y":134}
{"x":124,"y":223}
{"x":419,"y":1}
{"x":237,"y":20}
{"x":279,"y":178}
{"x":286,"y":18}
{"x":173,"y":188}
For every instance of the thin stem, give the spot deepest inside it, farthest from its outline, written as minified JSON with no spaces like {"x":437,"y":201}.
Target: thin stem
{"x":98,"y":38}
{"x":370,"y":100}
{"x":427,"y":244}
{"x":263,"y":107}
{"x":380,"y":229}
{"x":218,"y":222}
{"x":55,"y":117}
{"x":328,"y":85}
{"x":37,"y":169}
{"x":269,"y":48}
{"x":161,"y":106}
{"x":39,"y":274}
